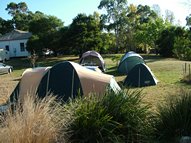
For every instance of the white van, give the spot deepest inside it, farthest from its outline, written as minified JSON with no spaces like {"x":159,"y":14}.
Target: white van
{"x":4,"y":55}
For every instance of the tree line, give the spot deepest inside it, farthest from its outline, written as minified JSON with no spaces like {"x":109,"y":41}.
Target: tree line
{"x":120,"y":29}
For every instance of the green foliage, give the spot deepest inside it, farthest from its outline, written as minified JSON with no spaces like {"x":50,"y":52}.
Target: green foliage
{"x":109,"y":118}
{"x":115,"y":19}
{"x":182,"y":48}
{"x":174,"y":118}
{"x":20,"y":14}
{"x":5,"y":26}
{"x":46,"y":28}
{"x":166,"y":41}
{"x":175,"y":41}
{"x":13,"y":8}
{"x":83,"y":34}
{"x":34,"y":45}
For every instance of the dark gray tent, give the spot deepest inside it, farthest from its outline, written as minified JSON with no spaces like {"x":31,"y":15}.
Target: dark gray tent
{"x":61,"y":80}
{"x":65,"y":80}
{"x":140,"y":76}
{"x":92,"y":58}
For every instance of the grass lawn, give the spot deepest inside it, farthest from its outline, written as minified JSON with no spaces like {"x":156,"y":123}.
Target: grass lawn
{"x":168,"y":71}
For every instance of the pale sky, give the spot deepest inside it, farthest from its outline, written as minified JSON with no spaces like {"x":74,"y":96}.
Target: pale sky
{"x":66,"y":10}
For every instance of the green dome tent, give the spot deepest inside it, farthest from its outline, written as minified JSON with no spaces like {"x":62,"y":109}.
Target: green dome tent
{"x":128,"y":61}
{"x":140,"y":76}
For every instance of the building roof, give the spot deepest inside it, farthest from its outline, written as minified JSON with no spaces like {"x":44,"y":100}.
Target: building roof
{"x":16,"y":35}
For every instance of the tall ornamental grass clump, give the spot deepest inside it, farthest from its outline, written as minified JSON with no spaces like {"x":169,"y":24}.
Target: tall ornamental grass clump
{"x":173,"y":119}
{"x":112,"y":117}
{"x":32,"y":121}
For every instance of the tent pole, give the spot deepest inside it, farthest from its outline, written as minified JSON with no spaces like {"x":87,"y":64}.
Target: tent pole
{"x":47,"y":84}
{"x":139,"y":78}
{"x":72,"y":84}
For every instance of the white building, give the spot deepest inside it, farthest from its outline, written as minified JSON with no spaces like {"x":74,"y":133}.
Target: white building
{"x":15,"y":43}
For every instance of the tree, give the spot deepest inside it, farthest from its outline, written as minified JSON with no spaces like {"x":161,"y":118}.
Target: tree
{"x":34,"y":45}
{"x":156,"y":9}
{"x":5,"y":26}
{"x":169,"y":16}
{"x":46,"y":28}
{"x":148,"y":33}
{"x":182,"y":44}
{"x":166,"y":41}
{"x":143,"y":28}
{"x":83,"y":34}
{"x":19,"y":12}
{"x":14,"y":9}
{"x":108,"y":43}
{"x":188,"y":21}
{"x":115,"y":17}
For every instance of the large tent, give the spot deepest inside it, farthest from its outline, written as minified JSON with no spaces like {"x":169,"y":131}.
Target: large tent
{"x":140,"y":76}
{"x":92,"y":58}
{"x":65,"y":80}
{"x":128,"y":61}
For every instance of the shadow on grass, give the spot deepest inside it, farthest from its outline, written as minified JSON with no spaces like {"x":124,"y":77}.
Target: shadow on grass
{"x":53,"y":61}
{"x":23,"y":63}
{"x":19,"y":63}
{"x":113,"y":71}
{"x":151,"y":58}
{"x":110,"y":55}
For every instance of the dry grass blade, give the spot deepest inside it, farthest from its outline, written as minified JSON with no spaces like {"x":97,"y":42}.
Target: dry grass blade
{"x":33,"y":122}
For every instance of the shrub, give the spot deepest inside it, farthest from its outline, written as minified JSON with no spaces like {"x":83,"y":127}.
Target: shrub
{"x":174,"y":118}
{"x":110,"y":118}
{"x":181,"y":48}
{"x":33,"y":121}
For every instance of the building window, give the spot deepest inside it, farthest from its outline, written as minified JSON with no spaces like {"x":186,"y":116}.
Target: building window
{"x":7,"y":47}
{"x":22,"y":47}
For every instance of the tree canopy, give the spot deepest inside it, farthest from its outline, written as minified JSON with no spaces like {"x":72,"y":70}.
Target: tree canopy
{"x":121,"y":28}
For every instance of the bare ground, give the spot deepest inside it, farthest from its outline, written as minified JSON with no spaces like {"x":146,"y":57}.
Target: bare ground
{"x":7,"y":85}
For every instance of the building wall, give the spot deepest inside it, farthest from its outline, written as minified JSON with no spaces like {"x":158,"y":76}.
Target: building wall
{"x":14,"y":47}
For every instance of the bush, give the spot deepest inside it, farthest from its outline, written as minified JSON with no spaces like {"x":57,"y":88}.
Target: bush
{"x":33,"y":121}
{"x":110,"y":118}
{"x":174,"y":118}
{"x":181,"y":48}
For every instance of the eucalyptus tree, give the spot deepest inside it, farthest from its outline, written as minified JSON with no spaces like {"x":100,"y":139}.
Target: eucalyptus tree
{"x":169,"y":16}
{"x":144,"y":27}
{"x":188,"y":21}
{"x":19,"y":13}
{"x":115,"y":18}
{"x":14,"y":8}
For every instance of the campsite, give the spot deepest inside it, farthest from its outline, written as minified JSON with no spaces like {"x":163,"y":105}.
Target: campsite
{"x":169,"y":80}
{"x":101,"y":71}
{"x":169,"y":84}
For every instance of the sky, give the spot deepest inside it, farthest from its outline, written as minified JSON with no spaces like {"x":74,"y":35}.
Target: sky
{"x":67,"y":10}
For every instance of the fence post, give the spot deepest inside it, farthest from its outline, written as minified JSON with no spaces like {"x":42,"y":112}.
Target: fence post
{"x":185,"y":68}
{"x":189,"y":72}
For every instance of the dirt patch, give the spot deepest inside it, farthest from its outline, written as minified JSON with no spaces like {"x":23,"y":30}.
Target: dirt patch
{"x":7,"y":85}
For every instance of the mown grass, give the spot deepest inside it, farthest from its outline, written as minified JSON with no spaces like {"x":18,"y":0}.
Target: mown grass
{"x":168,"y":71}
